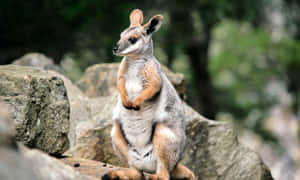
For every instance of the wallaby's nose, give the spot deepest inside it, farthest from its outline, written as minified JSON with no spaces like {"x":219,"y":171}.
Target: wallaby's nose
{"x":116,"y":47}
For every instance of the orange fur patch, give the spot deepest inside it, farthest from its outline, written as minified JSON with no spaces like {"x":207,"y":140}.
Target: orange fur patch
{"x":152,"y":84}
{"x":120,"y":141}
{"x":121,"y":84}
{"x":134,"y":36}
{"x":160,"y":143}
{"x":136,"y":18}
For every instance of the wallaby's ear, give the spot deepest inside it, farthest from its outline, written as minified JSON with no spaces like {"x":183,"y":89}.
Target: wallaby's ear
{"x":136,"y":18}
{"x":153,"y":24}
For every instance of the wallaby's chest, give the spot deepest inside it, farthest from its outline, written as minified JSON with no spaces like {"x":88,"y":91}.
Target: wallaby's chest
{"x":134,"y":80}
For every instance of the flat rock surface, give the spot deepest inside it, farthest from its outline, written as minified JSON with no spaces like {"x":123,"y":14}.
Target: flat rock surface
{"x":91,"y":168}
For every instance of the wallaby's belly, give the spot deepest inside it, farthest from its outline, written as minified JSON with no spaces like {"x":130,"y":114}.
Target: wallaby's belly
{"x":137,"y":128}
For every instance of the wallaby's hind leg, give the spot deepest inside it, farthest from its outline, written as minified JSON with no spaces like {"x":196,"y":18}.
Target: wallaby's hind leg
{"x":121,"y":147}
{"x":182,"y":172}
{"x":166,"y":147}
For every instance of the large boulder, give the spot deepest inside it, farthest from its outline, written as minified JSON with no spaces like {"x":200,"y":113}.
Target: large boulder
{"x":213,"y":150}
{"x":19,"y":162}
{"x":37,"y":60}
{"x":7,"y":131}
{"x":46,"y":167}
{"x":100,"y":80}
{"x":13,"y":165}
{"x":40,"y":107}
{"x":91,"y":137}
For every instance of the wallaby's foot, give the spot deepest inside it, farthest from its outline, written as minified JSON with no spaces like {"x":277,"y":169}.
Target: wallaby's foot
{"x":157,"y":177}
{"x":182,"y":172}
{"x":129,"y":174}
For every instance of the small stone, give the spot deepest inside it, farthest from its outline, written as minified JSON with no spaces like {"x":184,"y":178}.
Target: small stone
{"x":76,"y":164}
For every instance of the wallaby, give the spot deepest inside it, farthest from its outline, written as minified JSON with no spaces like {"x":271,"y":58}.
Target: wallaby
{"x":149,"y":124}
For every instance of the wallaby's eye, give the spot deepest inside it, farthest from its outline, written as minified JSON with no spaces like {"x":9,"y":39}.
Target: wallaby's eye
{"x":132,"y":40}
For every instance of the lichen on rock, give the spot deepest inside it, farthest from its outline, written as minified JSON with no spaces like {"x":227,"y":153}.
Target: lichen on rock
{"x":40,"y":107}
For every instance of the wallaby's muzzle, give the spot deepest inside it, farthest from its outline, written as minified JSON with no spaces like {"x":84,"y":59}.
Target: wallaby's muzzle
{"x":116,"y":48}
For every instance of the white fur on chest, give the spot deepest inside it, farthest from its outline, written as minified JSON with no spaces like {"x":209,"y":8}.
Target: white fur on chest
{"x":134,"y":79}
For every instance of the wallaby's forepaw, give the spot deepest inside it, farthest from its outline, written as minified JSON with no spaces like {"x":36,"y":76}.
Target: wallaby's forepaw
{"x":157,"y":177}
{"x":126,"y":103}
{"x":136,"y":105}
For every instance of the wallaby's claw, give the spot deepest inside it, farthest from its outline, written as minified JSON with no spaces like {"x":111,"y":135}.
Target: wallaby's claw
{"x":127,"y":104}
{"x":128,"y":107}
{"x":136,"y":105}
{"x":136,"y":108}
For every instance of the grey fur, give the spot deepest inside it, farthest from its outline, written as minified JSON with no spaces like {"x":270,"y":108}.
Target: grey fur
{"x":166,"y":108}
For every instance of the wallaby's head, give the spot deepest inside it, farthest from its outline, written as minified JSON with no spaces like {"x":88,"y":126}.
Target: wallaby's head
{"x":136,"y":40}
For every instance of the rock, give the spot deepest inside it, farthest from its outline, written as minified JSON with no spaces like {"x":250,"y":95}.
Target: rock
{"x":80,"y":110}
{"x":35,"y":165}
{"x":100,"y":80}
{"x":37,"y":60}
{"x":18,"y":162}
{"x":213,"y":151}
{"x":40,"y":107}
{"x":283,"y":156}
{"x":91,"y":168}
{"x":7,"y":131}
{"x":92,"y":136}
{"x":46,"y":167}
{"x":13,"y":165}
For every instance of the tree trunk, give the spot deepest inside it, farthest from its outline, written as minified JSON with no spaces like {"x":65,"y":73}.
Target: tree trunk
{"x":197,"y":50}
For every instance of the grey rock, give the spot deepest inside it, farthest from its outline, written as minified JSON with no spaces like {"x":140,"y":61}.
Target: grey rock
{"x":13,"y":165}
{"x":27,"y":164}
{"x":18,"y":162}
{"x":40,"y":107}
{"x":37,"y":60}
{"x":91,"y":137}
{"x":214,"y":152}
{"x":46,"y":167}
{"x":7,"y":131}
